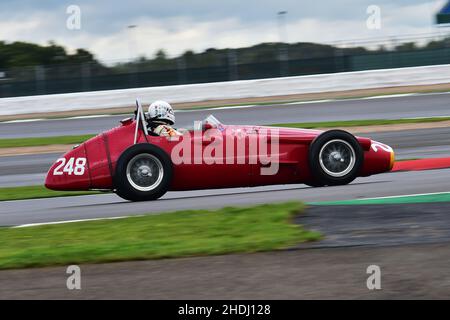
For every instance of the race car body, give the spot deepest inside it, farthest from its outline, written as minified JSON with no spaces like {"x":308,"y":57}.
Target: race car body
{"x":141,"y":166}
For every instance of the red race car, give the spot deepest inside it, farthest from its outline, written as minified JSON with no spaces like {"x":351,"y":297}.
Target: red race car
{"x":138,"y":165}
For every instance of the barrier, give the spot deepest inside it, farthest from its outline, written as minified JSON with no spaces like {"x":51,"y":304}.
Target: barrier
{"x":426,"y":75}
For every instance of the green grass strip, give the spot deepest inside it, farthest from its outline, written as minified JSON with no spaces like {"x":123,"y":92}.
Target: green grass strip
{"x":420,"y":198}
{"x":35,"y":192}
{"x":176,"y":234}
{"x":359,"y":123}
{"x":43,"y":141}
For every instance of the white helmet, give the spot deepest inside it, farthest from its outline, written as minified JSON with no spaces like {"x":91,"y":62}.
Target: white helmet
{"x":161,"y":111}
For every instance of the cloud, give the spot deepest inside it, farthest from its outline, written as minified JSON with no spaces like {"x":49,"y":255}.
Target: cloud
{"x":177,"y":26}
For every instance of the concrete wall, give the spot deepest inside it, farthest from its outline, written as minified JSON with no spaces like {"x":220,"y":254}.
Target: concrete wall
{"x":229,"y":90}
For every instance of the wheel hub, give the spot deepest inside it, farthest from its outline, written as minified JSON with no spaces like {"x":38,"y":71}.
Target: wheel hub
{"x":337,"y":158}
{"x":145,"y":172}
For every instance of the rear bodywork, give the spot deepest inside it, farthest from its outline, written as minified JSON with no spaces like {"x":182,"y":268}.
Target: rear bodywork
{"x":100,"y":154}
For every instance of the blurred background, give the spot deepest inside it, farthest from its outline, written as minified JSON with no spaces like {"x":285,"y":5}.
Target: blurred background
{"x":59,"y":46}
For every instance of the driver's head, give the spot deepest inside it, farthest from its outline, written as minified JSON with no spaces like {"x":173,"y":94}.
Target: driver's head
{"x":161,"y":111}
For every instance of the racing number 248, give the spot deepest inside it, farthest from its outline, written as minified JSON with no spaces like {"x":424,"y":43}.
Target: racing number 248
{"x":74,"y":166}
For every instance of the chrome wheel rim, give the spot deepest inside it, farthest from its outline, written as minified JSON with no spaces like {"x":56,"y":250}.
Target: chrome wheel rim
{"x":337,"y":158}
{"x":145,"y":172}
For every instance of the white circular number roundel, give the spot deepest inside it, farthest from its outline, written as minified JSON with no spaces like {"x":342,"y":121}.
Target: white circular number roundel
{"x":377,"y":145}
{"x":75,"y":166}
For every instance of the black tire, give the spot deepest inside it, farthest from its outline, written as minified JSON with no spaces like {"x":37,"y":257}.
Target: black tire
{"x":325,"y":165}
{"x":127,"y":173}
{"x":314,"y":184}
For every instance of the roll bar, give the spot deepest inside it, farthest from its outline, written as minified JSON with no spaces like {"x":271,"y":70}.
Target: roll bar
{"x":140,"y":116}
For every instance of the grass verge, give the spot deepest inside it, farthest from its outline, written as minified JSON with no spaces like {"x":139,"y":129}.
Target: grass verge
{"x":359,"y":123}
{"x":35,"y":192}
{"x":42,"y":141}
{"x":176,"y":234}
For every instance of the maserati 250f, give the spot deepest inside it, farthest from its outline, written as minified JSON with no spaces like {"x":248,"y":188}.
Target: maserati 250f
{"x":138,"y":165}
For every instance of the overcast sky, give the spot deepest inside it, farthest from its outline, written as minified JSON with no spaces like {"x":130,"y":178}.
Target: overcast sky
{"x":177,"y":26}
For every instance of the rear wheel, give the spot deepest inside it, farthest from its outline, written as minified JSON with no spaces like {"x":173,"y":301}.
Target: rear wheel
{"x":335,"y":158}
{"x":143,"y":172}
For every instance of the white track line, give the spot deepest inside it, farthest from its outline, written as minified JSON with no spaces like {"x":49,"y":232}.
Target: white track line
{"x":400,"y":95}
{"x":88,"y":117}
{"x":308,"y":102}
{"x":58,"y":119}
{"x":227,"y":108}
{"x":400,"y":196}
{"x":413,"y":118}
{"x":24,"y":120}
{"x":70,"y":221}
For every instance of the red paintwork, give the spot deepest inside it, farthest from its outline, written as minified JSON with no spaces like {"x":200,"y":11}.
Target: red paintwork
{"x":103,"y":151}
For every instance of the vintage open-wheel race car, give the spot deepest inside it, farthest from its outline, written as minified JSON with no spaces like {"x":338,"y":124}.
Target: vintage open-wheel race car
{"x":138,"y":165}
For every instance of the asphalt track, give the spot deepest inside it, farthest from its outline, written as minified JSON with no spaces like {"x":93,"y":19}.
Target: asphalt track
{"x":407,"y":272}
{"x":23,"y":170}
{"x":110,"y":205}
{"x":425,"y":143}
{"x":412,"y":241}
{"x":403,"y":106}
{"x":409,"y":243}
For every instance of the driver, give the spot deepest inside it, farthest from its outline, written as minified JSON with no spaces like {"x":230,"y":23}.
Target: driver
{"x":160,"y":119}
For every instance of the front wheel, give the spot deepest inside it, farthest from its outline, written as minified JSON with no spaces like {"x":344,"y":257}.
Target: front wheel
{"x":335,"y":158}
{"x":143,"y":172}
